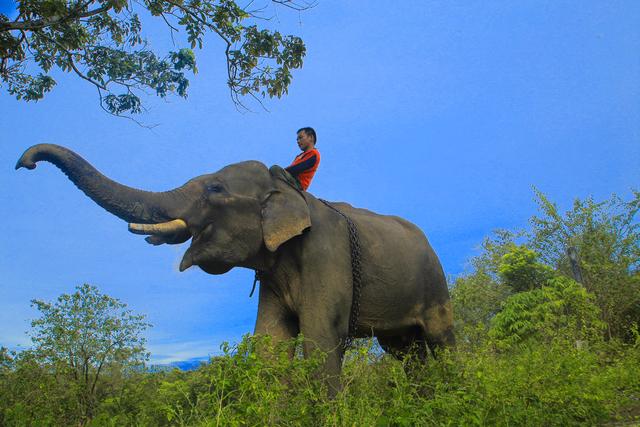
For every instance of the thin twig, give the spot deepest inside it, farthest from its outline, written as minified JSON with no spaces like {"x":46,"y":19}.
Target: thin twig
{"x":101,"y":98}
{"x":173,"y":29}
{"x":295,"y":5}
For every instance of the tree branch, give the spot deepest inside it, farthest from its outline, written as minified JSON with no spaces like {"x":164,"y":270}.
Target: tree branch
{"x":42,"y":23}
{"x":73,"y":65}
{"x":101,"y":98}
{"x":172,"y":28}
{"x":79,"y":73}
{"x":202,"y":21}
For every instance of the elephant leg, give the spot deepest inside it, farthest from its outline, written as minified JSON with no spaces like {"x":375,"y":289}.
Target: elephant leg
{"x":321,"y":335}
{"x":274,"y":319}
{"x":410,"y":347}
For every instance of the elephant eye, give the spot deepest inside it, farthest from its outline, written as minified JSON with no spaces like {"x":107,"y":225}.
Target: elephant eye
{"x":214,"y":188}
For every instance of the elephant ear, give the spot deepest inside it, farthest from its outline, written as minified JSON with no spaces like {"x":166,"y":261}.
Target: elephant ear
{"x":285,"y":213}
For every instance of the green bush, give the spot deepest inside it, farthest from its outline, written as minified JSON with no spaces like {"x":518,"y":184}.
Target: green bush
{"x":562,"y":309}
{"x":253,"y":383}
{"x":532,"y":384}
{"x":606,"y":236}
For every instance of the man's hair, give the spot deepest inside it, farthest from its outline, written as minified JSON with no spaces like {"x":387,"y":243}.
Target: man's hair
{"x":309,"y":131}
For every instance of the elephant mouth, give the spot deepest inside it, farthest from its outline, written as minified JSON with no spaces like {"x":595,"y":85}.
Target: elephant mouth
{"x":198,"y":255}
{"x":177,"y":231}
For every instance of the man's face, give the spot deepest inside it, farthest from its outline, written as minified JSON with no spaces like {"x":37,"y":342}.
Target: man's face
{"x":305,"y":142}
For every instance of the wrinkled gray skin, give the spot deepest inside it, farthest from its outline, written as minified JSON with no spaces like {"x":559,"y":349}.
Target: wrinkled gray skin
{"x":243,"y":216}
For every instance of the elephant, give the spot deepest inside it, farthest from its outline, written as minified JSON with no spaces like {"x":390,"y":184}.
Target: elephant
{"x":247,"y":215}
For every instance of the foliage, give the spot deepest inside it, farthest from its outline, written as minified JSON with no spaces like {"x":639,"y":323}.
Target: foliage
{"x":251,"y":383}
{"x":542,"y":383}
{"x":493,"y":249}
{"x":101,"y":41}
{"x":607,"y":238}
{"x":561,"y":309}
{"x":520,"y":270}
{"x":135,"y":402}
{"x":31,"y":393}
{"x":539,"y":384}
{"x":78,"y":341}
{"x":535,"y":385}
{"x":476,"y":299}
{"x":6,"y":360}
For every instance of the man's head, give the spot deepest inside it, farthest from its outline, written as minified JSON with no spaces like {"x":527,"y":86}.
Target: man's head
{"x":306,"y":138}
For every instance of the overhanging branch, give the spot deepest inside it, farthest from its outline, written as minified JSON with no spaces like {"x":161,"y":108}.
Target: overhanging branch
{"x":42,"y":23}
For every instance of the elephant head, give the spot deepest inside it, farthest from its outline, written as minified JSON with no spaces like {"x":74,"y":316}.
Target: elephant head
{"x":235,"y":217}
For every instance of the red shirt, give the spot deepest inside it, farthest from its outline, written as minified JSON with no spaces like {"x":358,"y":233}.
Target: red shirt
{"x":304,"y":166}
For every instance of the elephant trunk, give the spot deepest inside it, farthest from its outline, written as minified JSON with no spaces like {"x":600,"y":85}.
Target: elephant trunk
{"x":129,"y":204}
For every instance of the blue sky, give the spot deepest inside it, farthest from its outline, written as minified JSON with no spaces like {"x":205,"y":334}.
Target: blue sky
{"x":445,"y":113}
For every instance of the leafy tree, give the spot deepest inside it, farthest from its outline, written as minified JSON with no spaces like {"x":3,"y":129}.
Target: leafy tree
{"x":607,"y":238}
{"x":6,"y":366}
{"x":84,"y":337}
{"x":33,"y":394}
{"x":101,"y":41}
{"x":478,"y":295}
{"x":520,"y":270}
{"x":502,"y":269}
{"x":6,"y":360}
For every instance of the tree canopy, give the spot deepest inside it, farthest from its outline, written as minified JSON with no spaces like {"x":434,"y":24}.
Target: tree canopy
{"x":101,"y":41}
{"x":84,"y":335}
{"x":606,"y":237}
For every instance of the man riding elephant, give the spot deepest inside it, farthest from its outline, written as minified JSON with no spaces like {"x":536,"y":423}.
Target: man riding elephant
{"x":304,"y":166}
{"x":245,"y":216}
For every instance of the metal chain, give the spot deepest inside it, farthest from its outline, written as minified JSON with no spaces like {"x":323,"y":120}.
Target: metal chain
{"x":356,"y":275}
{"x":257,"y":278}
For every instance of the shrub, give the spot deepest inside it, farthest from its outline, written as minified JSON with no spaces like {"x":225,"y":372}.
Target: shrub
{"x":254,"y":383}
{"x":562,"y":309}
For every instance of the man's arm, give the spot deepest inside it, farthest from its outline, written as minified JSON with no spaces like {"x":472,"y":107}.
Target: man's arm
{"x":297,"y":169}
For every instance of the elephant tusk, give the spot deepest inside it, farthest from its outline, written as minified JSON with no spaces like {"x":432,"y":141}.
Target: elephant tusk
{"x":162,"y":229}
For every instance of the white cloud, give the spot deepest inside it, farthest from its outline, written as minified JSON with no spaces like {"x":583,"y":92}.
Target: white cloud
{"x":168,"y":352}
